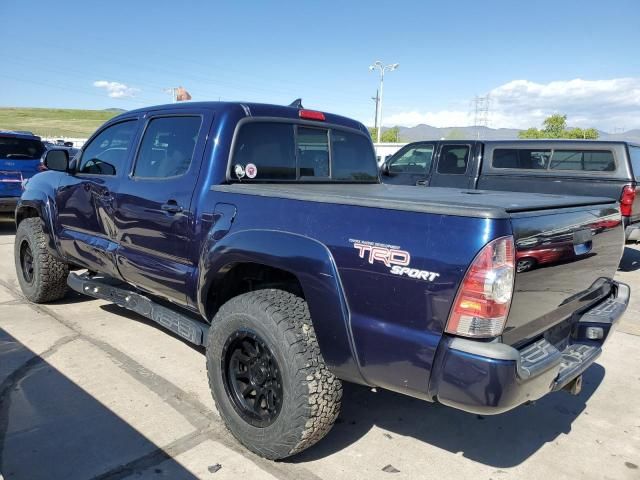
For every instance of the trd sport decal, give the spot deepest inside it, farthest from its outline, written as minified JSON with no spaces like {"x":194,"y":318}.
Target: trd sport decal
{"x":391,"y":256}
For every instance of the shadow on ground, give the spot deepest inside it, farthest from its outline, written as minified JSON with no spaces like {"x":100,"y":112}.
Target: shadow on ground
{"x":51,"y":428}
{"x":500,"y":441}
{"x":123,"y":312}
{"x":630,"y":261}
{"x":7,"y":227}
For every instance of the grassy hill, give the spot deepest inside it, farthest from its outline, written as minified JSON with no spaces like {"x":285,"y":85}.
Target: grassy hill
{"x":54,"y":122}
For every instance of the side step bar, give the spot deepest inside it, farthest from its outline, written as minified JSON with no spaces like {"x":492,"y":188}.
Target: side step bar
{"x":111,"y":290}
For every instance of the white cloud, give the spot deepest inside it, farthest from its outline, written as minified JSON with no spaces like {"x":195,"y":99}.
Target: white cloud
{"x":604,"y":104}
{"x":116,"y":89}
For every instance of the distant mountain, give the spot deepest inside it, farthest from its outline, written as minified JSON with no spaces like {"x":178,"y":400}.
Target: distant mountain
{"x":114,"y":110}
{"x":427,"y":132}
{"x":631,"y":135}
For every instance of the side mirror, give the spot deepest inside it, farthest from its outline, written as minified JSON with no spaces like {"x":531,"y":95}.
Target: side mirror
{"x":57,"y":160}
{"x":385,"y":169}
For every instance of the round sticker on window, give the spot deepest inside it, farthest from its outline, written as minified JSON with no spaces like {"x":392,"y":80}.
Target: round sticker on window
{"x":251,"y":170}
{"x":239,"y":171}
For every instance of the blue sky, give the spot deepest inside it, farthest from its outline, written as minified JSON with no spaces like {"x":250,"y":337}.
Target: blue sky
{"x":534,"y":58}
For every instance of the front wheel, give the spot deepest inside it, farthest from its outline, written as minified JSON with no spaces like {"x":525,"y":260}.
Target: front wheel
{"x":267,"y":376}
{"x":42,"y":277}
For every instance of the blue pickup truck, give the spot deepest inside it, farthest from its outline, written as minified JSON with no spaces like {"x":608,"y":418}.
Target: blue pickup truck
{"x":263,"y":233}
{"x":20,"y":159}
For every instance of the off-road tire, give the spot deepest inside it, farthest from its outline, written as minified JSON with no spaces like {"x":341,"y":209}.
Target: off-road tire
{"x":311,"y":393}
{"x":49,"y":274}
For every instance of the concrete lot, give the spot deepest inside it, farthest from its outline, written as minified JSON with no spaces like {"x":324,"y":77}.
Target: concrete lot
{"x":88,"y":390}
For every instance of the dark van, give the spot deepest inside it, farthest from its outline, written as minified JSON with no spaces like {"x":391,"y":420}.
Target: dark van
{"x":563,"y":167}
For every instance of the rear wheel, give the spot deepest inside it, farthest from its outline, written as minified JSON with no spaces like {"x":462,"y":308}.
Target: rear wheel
{"x":42,"y":277}
{"x":267,"y":376}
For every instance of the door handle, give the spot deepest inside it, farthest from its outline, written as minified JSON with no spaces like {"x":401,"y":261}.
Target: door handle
{"x":422,"y":183}
{"x":171,"y":207}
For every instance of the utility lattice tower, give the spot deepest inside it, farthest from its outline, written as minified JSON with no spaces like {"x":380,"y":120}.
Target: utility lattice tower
{"x":481,"y":110}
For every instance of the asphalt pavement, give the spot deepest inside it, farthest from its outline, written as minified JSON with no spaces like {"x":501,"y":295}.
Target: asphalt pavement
{"x":91,"y":391}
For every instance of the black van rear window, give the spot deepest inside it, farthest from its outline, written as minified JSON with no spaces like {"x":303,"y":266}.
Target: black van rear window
{"x":280,"y":151}
{"x":21,"y":148}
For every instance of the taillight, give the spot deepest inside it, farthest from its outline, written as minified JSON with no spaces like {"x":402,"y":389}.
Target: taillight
{"x":42,"y":168}
{"x":626,"y":200}
{"x":482,"y":304}
{"x":311,"y":115}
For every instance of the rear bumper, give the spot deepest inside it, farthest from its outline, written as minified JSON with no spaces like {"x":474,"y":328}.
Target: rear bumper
{"x":8,"y":204}
{"x":491,"y":378}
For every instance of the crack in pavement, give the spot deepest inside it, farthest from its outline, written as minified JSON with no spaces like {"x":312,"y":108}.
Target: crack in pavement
{"x":173,"y":449}
{"x":191,"y":409}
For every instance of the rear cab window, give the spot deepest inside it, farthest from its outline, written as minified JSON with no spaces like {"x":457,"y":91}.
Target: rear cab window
{"x":283,"y":151}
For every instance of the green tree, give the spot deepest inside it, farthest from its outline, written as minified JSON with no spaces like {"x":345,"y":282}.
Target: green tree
{"x":390,"y":135}
{"x":555,"y":126}
{"x":530,"y":133}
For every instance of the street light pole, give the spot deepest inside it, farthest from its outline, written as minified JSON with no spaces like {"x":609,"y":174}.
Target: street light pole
{"x":378,"y":65}
{"x":376,"y":99}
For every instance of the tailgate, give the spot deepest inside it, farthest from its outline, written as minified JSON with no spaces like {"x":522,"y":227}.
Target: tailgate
{"x":10,"y":184}
{"x":566,"y":260}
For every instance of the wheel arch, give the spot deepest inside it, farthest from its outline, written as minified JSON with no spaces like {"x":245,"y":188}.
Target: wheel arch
{"x":296,"y":261}
{"x":36,"y":204}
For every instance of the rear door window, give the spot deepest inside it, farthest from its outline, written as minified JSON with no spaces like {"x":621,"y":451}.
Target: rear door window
{"x":583,"y":160}
{"x":526,"y":159}
{"x":413,"y":160}
{"x":453,"y":159}
{"x":167,"y":147}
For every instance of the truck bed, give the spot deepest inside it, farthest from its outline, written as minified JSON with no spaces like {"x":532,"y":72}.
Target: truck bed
{"x":445,"y":201}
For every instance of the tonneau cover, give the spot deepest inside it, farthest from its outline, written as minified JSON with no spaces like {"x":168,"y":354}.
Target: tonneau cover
{"x":446,"y":201}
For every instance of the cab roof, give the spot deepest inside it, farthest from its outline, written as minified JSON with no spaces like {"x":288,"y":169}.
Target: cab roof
{"x":251,"y":109}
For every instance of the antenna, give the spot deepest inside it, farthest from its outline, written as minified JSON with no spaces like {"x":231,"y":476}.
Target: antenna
{"x":297,"y":103}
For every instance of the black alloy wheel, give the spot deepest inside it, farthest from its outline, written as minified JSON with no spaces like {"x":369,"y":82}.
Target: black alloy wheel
{"x":26,"y":261}
{"x":252,"y":378}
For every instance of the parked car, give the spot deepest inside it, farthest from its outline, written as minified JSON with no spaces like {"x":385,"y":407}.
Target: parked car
{"x":263,"y":233}
{"x":563,"y":167}
{"x":20,"y":159}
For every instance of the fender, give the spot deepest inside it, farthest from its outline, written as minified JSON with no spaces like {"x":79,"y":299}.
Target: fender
{"x":312,"y":264}
{"x":38,"y":200}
